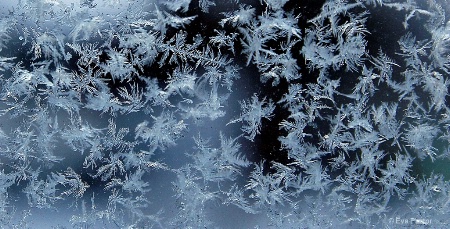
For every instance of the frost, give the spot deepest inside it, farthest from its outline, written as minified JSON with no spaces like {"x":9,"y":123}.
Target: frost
{"x":163,"y":133}
{"x":198,"y":114}
{"x":253,"y":112}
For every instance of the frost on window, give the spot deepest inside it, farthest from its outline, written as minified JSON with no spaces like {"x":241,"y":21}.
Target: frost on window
{"x":224,"y":114}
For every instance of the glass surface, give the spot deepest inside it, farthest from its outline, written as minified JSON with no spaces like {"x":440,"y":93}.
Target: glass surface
{"x":224,"y":114}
